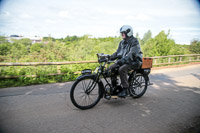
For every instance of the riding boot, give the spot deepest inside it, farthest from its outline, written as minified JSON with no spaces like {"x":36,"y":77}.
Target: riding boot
{"x":123,"y":93}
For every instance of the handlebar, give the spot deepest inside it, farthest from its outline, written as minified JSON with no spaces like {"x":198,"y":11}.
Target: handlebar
{"x":102,"y":60}
{"x":102,"y":57}
{"x":105,"y":58}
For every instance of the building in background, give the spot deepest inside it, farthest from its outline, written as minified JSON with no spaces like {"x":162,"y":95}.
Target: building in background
{"x":35,"y":39}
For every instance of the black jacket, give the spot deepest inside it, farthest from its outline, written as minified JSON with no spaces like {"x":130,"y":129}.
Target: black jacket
{"x":129,"y":52}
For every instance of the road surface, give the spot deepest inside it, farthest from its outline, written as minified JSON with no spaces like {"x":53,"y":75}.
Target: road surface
{"x":171,"y":105}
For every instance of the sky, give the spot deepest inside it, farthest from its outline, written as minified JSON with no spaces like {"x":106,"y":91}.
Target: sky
{"x":100,"y":18}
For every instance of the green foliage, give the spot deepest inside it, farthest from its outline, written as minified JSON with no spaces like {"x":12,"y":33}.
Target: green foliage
{"x":146,"y":37}
{"x":24,"y":41}
{"x":3,"y":39}
{"x":48,"y":39}
{"x":138,"y":37}
{"x":195,"y":47}
{"x":36,"y":47}
{"x":17,"y":51}
{"x":73,"y":48}
{"x":5,"y":48}
{"x":179,"y":50}
{"x":162,"y":45}
{"x":70,"y":39}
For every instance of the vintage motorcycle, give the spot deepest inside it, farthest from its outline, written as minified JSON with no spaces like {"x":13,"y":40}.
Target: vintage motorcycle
{"x":90,"y":87}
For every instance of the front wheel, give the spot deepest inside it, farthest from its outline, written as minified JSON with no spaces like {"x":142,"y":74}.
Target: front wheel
{"x":138,"y":85}
{"x":85,"y":93}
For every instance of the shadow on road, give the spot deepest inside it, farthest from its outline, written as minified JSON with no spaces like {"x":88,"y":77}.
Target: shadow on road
{"x":167,"y":107}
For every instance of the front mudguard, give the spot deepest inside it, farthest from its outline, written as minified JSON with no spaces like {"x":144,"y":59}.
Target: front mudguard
{"x":94,"y":76}
{"x":86,"y":76}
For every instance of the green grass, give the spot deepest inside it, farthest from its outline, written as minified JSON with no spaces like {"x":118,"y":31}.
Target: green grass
{"x":42,"y":74}
{"x":23,"y":81}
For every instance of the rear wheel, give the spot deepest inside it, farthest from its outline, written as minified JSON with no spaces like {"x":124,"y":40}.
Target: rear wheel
{"x":85,"y":93}
{"x":138,"y":85}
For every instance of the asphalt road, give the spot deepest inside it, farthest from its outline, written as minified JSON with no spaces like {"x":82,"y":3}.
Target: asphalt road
{"x":171,"y":105}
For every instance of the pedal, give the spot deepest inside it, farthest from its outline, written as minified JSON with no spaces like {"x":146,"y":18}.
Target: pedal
{"x":107,"y":97}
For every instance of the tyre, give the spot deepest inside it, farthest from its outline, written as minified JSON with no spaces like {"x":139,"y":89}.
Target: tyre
{"x":85,"y":93}
{"x":138,"y":85}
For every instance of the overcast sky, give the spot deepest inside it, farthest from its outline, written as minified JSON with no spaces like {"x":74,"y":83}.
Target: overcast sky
{"x":100,"y":18}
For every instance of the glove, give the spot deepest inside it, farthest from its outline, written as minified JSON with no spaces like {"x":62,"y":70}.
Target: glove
{"x":108,"y":56}
{"x":121,"y":62}
{"x":112,"y":57}
{"x":119,"y":56}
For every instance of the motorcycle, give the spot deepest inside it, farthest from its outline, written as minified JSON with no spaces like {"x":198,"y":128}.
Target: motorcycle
{"x":89,"y":88}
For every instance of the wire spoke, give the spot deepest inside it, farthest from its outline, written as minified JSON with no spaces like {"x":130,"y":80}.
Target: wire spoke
{"x":138,"y":84}
{"x":86,"y":93}
{"x":83,"y":84}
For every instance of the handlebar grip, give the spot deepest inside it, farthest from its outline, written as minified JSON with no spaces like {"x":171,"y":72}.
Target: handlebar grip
{"x":103,"y":60}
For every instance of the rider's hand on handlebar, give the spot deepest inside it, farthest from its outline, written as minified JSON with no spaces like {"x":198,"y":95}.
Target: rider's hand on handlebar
{"x":120,"y":62}
{"x":108,"y":56}
{"x":103,"y":60}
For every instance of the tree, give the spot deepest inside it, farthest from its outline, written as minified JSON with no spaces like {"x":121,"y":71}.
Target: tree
{"x":36,"y":47}
{"x":48,"y":38}
{"x":195,"y":46}
{"x":3,"y":39}
{"x":4,"y":46}
{"x":137,"y":36}
{"x":146,"y":37}
{"x":179,"y":49}
{"x":25,"y":41}
{"x":18,"y":50}
{"x":159,"y":46}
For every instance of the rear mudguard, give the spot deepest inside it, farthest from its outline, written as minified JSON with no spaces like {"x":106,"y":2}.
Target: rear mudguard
{"x":144,"y":72}
{"x":93,"y":76}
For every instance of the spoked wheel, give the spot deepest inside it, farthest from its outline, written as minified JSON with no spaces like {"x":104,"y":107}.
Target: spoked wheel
{"x":85,"y":93}
{"x":138,"y":86}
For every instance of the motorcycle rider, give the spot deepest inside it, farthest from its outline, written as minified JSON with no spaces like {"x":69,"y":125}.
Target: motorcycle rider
{"x":128,"y":55}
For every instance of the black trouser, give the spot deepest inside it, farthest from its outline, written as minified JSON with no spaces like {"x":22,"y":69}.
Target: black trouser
{"x":123,"y":72}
